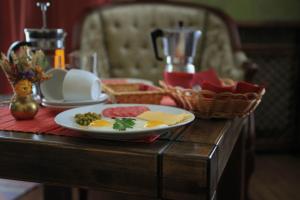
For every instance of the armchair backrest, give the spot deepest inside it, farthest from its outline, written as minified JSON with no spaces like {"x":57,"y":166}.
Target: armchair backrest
{"x":120,"y":34}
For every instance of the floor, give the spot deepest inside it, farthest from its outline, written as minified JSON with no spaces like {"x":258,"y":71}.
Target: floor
{"x":277,"y":177}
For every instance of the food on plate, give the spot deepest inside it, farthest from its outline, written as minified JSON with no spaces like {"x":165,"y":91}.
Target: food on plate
{"x":123,"y":124}
{"x":164,"y":118}
{"x":126,"y":111}
{"x":153,"y":124}
{"x":101,"y":123}
{"x":128,"y":117}
{"x":86,"y":118}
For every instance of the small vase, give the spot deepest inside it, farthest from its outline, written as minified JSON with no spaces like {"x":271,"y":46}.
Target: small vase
{"x":23,"y":107}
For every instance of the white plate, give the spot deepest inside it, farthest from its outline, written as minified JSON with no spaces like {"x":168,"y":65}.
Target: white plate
{"x":103,"y":97}
{"x":66,"y":119}
{"x":130,"y":80}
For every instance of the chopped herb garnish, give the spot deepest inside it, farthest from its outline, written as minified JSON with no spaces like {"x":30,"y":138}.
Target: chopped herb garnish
{"x":123,"y":124}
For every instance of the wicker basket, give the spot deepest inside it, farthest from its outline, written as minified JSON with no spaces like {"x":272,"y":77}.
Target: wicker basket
{"x":208,"y":104}
{"x":133,"y":93}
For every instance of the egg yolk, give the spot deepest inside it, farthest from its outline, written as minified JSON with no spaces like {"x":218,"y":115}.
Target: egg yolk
{"x":151,"y":124}
{"x":100,"y":123}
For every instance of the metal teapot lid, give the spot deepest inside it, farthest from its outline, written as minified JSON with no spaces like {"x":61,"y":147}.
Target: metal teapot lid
{"x":44,"y":32}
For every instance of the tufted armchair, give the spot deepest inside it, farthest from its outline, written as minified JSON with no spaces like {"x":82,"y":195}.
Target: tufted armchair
{"x":120,"y":34}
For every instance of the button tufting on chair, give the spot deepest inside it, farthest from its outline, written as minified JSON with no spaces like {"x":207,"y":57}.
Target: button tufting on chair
{"x":190,"y":23}
{"x":135,"y":24}
{"x":145,"y":45}
{"x":137,"y":66}
{"x":126,"y":45}
{"x":172,"y":23}
{"x":93,"y":26}
{"x":117,"y":24}
{"x":153,"y":25}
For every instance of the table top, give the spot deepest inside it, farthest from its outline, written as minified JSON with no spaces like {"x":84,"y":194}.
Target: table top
{"x":185,"y":162}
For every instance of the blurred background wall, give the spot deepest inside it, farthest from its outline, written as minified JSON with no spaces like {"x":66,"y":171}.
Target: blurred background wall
{"x":258,"y":10}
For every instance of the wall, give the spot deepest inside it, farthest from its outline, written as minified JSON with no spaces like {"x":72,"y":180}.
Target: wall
{"x":258,"y":10}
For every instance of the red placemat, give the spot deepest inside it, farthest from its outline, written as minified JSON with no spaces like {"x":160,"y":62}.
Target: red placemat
{"x":43,"y":123}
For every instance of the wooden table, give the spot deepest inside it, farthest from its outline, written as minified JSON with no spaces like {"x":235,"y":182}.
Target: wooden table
{"x":203,"y":160}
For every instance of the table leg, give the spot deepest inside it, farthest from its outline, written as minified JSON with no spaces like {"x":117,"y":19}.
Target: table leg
{"x":57,"y":192}
{"x":231,"y":185}
{"x":250,"y":154}
{"x":83,"y":194}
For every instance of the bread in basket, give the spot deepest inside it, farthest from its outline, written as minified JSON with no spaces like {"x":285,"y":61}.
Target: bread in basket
{"x":209,"y":104}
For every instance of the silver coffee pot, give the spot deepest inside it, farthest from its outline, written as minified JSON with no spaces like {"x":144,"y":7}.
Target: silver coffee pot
{"x":179,"y":45}
{"x":48,"y":40}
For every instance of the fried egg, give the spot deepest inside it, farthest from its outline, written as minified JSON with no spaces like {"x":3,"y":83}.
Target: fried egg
{"x":107,"y":124}
{"x":101,"y":123}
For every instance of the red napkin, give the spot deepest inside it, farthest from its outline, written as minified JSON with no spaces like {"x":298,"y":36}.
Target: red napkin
{"x":244,"y":87}
{"x":209,"y":77}
{"x":43,"y":123}
{"x":208,"y":80}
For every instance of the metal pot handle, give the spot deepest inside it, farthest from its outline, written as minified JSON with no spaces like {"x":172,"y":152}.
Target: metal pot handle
{"x":154,"y":35}
{"x":15,"y":46}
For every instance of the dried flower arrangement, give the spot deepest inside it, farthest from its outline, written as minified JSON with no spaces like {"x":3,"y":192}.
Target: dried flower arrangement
{"x":26,"y":68}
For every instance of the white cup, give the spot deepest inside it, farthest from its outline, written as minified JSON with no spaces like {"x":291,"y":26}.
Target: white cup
{"x":81,"y":85}
{"x":52,"y":88}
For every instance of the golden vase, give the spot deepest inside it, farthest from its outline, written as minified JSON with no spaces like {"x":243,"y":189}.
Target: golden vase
{"x":23,"y":107}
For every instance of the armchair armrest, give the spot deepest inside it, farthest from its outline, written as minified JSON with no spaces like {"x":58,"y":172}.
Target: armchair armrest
{"x":246,"y":64}
{"x":250,"y":70}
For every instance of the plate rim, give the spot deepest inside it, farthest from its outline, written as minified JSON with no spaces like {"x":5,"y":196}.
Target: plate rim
{"x":129,"y":132}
